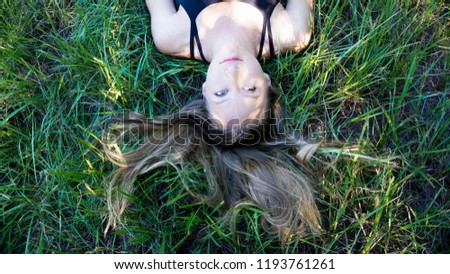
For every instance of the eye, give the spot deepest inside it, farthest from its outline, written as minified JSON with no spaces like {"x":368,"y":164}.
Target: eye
{"x":251,"y":89}
{"x":221,"y":93}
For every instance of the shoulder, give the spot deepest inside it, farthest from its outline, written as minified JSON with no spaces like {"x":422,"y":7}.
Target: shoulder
{"x":171,"y":34}
{"x":292,"y":26}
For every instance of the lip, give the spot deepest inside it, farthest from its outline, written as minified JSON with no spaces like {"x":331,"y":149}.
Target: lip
{"x":230,"y":59}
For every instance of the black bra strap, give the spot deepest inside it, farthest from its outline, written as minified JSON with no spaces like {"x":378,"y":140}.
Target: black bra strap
{"x":266,"y":27}
{"x":263,"y":38}
{"x":271,"y":46}
{"x":194,"y":35}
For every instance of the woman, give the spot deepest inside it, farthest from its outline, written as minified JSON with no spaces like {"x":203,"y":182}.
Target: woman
{"x":237,"y":130}
{"x":231,"y":36}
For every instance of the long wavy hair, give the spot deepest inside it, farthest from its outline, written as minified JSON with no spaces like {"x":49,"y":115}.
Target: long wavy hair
{"x":261,"y":164}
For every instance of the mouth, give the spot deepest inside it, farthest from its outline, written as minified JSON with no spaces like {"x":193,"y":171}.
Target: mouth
{"x":230,"y":59}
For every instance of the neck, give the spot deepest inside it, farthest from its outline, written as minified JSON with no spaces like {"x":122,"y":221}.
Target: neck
{"x":228,"y":40}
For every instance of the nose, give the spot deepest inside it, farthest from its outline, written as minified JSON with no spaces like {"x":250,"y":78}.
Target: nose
{"x":232,"y":70}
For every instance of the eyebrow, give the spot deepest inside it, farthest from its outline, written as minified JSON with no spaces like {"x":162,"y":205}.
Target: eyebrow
{"x":221,"y":101}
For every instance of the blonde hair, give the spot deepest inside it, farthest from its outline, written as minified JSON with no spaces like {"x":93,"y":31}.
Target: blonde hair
{"x":261,"y":165}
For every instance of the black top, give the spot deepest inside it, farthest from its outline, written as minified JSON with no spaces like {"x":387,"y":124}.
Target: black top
{"x":194,"y":7}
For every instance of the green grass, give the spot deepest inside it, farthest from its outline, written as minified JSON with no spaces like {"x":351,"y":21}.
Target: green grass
{"x":376,"y":76}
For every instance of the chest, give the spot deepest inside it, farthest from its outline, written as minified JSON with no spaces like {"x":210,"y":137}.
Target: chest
{"x":245,"y":15}
{"x":217,"y":17}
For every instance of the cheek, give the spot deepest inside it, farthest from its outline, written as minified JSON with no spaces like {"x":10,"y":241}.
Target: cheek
{"x":213,"y":73}
{"x":255,"y":108}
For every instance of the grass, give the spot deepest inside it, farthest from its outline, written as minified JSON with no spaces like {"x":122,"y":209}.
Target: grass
{"x":376,"y":76}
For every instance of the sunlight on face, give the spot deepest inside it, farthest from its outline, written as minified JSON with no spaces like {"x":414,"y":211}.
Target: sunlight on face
{"x":236,"y":91}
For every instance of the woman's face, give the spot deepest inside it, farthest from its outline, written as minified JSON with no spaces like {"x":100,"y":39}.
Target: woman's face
{"x":236,"y":91}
